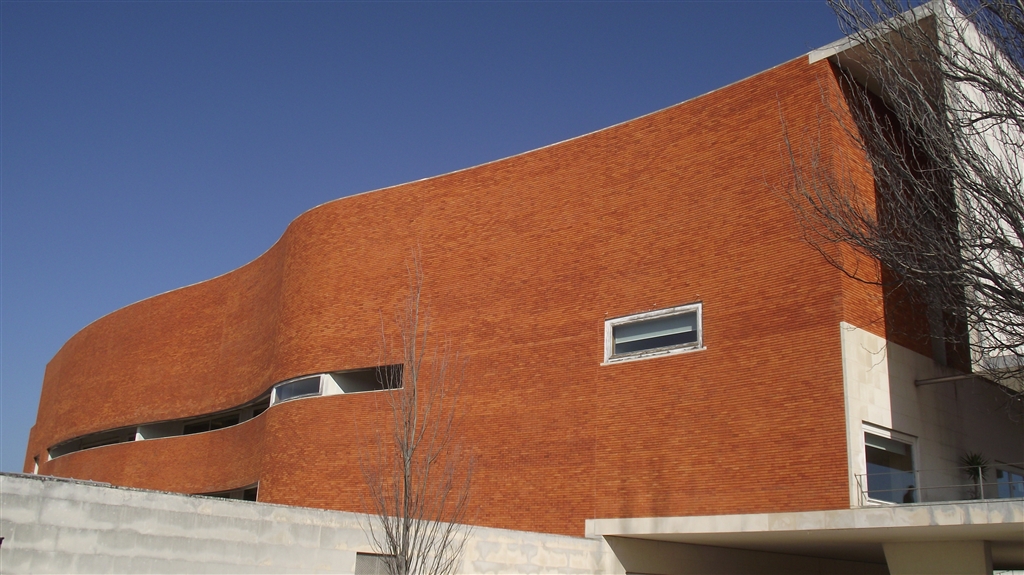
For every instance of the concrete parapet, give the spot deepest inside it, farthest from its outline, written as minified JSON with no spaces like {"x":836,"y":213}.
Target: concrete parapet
{"x":53,"y":525}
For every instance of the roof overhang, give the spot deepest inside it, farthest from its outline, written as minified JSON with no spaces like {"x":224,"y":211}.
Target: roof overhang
{"x":843,"y":534}
{"x":853,"y":55}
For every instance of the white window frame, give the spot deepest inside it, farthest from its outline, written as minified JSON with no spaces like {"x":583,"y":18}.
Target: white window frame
{"x":609,"y":338}
{"x":273,"y":392}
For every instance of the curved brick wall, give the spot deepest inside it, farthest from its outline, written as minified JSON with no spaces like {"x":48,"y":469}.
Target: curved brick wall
{"x":204,"y":462}
{"x":524,"y":259}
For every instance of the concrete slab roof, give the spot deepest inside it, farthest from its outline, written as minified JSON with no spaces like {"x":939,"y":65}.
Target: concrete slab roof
{"x":848,"y":534}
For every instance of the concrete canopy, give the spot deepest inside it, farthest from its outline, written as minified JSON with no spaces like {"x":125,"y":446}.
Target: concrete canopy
{"x":845,"y":534}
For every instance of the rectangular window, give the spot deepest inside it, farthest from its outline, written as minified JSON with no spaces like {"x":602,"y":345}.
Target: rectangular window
{"x":372,"y":564}
{"x":890,"y":465}
{"x":652,"y":334}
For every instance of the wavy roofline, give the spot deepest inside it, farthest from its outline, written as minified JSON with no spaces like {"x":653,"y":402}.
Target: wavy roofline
{"x":438,"y":176}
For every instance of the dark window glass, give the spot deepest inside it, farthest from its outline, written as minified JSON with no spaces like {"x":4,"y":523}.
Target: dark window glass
{"x":225,"y":421}
{"x":369,"y":379}
{"x":105,"y":438}
{"x":100,"y":442}
{"x":372,"y":564}
{"x":93,"y":440}
{"x":299,"y":388}
{"x":660,"y":332}
{"x":389,"y":376}
{"x":199,"y":427}
{"x":890,"y":470}
{"x":1009,"y":484}
{"x":249,"y":494}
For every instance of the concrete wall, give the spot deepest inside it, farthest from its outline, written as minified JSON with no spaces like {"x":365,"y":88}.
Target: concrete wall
{"x":64,"y":526}
{"x":947,"y":419}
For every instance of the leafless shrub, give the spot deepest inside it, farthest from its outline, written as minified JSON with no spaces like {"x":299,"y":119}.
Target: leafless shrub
{"x":417,"y":475}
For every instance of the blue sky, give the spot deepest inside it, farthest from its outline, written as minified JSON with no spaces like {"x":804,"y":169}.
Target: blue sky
{"x":145,"y":146}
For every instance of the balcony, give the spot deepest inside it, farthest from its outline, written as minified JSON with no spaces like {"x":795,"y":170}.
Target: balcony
{"x":887,"y":486}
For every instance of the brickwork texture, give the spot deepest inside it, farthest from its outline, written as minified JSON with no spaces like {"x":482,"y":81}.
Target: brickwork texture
{"x":523,"y":259}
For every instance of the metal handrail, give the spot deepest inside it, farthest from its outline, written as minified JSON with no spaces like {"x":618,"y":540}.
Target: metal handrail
{"x":976,"y":486}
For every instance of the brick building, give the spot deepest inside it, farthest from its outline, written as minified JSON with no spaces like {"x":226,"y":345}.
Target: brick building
{"x":650,"y":344}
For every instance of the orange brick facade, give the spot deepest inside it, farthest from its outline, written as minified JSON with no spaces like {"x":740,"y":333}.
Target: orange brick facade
{"x":524,"y":259}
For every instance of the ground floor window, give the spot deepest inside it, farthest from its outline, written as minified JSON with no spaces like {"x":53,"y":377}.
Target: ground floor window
{"x":371,"y":564}
{"x":890,"y":465}
{"x":250,"y":493}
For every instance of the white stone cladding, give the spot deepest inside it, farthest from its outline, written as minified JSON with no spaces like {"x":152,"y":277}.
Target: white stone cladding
{"x":946,"y":419}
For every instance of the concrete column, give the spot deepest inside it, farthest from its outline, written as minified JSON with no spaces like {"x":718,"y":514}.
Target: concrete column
{"x":939,"y":558}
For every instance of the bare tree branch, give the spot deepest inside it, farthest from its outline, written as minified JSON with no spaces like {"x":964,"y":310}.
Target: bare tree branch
{"x":417,"y":474}
{"x":936,"y":96}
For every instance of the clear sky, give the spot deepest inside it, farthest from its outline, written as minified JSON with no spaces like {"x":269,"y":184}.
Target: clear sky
{"x":145,"y":146}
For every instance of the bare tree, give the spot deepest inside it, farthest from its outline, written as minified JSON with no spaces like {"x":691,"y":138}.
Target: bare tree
{"x":936,"y":96}
{"x":417,"y":475}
